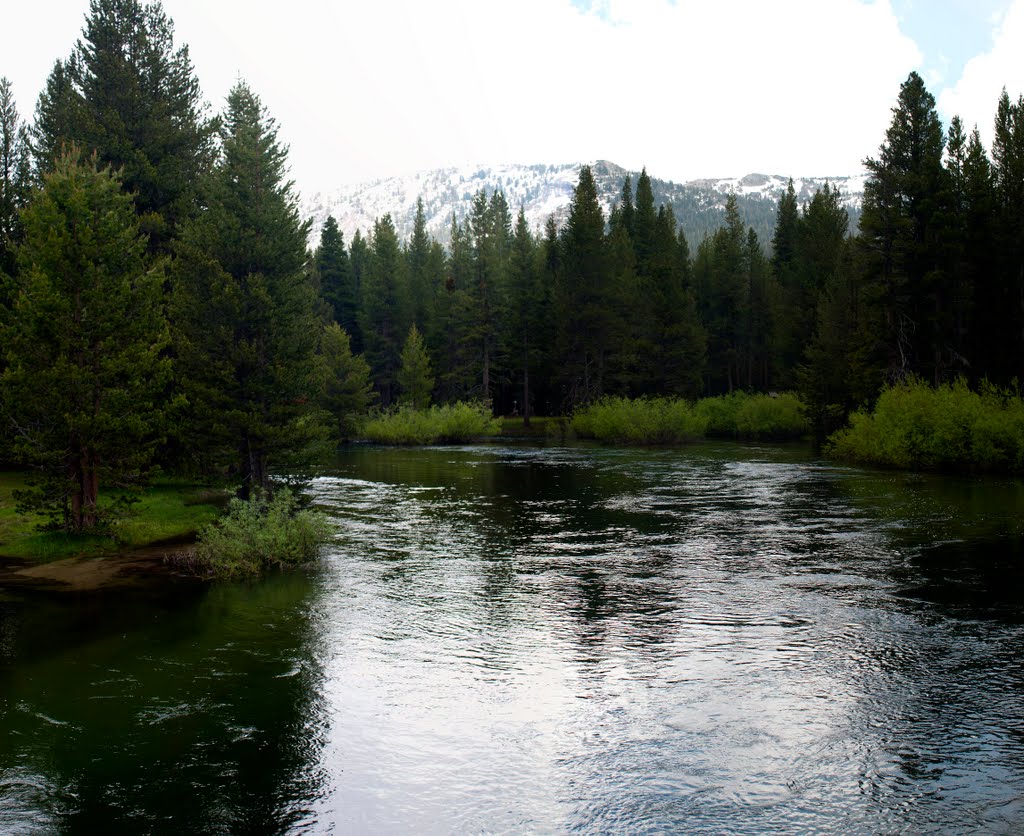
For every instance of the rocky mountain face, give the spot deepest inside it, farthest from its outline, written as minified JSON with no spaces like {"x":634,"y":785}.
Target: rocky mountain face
{"x":546,"y":190}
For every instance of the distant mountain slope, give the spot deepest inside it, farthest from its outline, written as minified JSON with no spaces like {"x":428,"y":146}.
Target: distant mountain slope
{"x":545,"y":190}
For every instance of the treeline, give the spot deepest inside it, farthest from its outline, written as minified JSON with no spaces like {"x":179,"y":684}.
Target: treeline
{"x":931,"y":286}
{"x":159,"y":305}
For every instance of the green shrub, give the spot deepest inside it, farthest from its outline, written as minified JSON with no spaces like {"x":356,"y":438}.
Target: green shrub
{"x":640,"y":421}
{"x":450,"y":424}
{"x":260,"y":534}
{"x":743,"y":415}
{"x":914,"y":425}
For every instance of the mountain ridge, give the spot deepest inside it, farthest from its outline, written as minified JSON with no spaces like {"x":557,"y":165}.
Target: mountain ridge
{"x":546,"y":189}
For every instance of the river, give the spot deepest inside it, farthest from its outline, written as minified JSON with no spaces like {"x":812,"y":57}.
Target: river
{"x":720,"y":638}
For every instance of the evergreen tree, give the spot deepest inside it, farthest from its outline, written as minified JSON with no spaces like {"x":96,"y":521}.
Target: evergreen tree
{"x":14,"y":179}
{"x":1008,"y":180}
{"x":624,"y":214}
{"x":758,"y":349}
{"x":244,"y":312}
{"x":131,"y":98}
{"x":346,"y":389}
{"x":84,"y":346}
{"x":721,"y":277}
{"x":415,"y":377}
{"x":902,"y":226}
{"x":790,"y":301}
{"x":645,"y":219}
{"x":839,"y":370}
{"x":455,"y":345}
{"x":489,"y":226}
{"x":359,"y":260}
{"x":679,"y":345}
{"x":421,"y":281}
{"x":987,"y":326}
{"x":332,"y":266}
{"x":383,"y":312}
{"x":57,"y":114}
{"x":526,"y":306}
{"x":585,"y":290}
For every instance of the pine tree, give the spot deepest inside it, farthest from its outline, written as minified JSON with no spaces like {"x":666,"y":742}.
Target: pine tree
{"x":679,"y":345}
{"x":56,"y":118}
{"x":14,"y":179}
{"x":455,"y":344}
{"x":422,"y":283}
{"x":490,"y":229}
{"x":902,"y":226}
{"x":244,"y":311}
{"x":721,"y":277}
{"x":85,"y":371}
{"x":584,"y":295}
{"x":415,"y":377}
{"x":131,"y":98}
{"x":346,"y":390}
{"x":359,"y":260}
{"x":331,"y":262}
{"x":790,"y":301}
{"x":987,"y":326}
{"x":383,"y":310}
{"x":1008,"y":179}
{"x":526,"y":305}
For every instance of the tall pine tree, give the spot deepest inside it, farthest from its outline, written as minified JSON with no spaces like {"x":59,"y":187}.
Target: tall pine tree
{"x":244,"y":311}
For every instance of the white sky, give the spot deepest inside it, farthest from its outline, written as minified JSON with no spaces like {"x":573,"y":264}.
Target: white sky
{"x":690,"y":88}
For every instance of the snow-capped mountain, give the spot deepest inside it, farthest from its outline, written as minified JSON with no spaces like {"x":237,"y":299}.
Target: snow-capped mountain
{"x":546,"y":190}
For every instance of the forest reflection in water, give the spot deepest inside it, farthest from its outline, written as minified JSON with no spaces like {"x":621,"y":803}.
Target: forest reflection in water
{"x":723,"y":637}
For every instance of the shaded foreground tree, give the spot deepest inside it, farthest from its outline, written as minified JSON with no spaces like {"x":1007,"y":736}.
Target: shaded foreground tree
{"x":83,"y":344}
{"x":246,"y":329}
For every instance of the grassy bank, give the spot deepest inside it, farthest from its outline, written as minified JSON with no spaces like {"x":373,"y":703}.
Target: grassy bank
{"x":449,"y":424}
{"x":166,"y":511}
{"x":916,"y":426}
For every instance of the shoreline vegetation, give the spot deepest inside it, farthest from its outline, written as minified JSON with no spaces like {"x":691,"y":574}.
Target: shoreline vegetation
{"x":170,"y":511}
{"x":913,"y":426}
{"x":450,"y":424}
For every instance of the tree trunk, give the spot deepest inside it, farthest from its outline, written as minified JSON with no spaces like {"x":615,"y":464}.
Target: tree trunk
{"x":83,"y":471}
{"x":526,"y":386}
{"x":486,"y":395}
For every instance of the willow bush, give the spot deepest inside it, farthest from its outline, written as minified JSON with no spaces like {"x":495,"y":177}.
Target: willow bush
{"x":914,"y":425}
{"x":639,"y":421}
{"x":259,"y":534}
{"x":745,"y":415}
{"x":449,"y":424}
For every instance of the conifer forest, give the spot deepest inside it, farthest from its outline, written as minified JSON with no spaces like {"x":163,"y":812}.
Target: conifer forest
{"x":162,"y":305}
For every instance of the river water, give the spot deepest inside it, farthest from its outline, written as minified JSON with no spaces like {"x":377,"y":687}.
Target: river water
{"x":720,"y":638}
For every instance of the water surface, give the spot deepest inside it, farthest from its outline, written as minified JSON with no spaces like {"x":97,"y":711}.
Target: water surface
{"x":720,"y":638}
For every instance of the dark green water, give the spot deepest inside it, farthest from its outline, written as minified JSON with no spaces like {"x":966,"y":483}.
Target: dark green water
{"x":506,"y":639}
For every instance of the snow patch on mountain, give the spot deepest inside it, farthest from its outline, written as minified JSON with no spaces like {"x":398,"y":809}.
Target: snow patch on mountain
{"x":544,"y":191}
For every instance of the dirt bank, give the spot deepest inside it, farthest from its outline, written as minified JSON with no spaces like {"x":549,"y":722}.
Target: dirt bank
{"x":91,"y":574}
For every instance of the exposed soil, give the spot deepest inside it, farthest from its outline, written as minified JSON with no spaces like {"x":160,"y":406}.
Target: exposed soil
{"x":91,"y":574}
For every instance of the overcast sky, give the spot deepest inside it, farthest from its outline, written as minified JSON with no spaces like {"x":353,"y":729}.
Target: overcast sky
{"x":690,"y":88}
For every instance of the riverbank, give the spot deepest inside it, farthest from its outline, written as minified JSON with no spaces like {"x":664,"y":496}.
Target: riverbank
{"x":167,"y":514}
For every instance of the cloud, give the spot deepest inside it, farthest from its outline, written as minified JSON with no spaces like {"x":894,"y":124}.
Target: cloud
{"x":687,"y":88}
{"x":975,"y":96}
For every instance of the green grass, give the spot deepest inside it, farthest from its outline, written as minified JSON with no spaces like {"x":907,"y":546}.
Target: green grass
{"x":916,"y":426}
{"x":168,"y":510}
{"x":450,"y":424}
